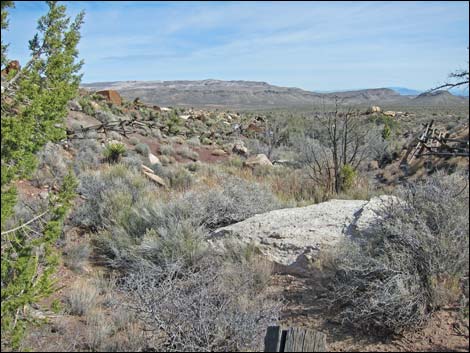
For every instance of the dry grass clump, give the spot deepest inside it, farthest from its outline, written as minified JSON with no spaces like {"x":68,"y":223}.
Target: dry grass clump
{"x":82,"y":298}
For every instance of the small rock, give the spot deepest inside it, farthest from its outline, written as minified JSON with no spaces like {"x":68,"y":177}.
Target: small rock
{"x":155,"y":178}
{"x":218,"y":152}
{"x":146,"y":169}
{"x":75,"y":106}
{"x":240,"y":149}
{"x":154,"y":159}
{"x":373,"y":165}
{"x":259,"y":159}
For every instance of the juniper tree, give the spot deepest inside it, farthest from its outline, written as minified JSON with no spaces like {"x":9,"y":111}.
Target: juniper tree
{"x":34,"y":105}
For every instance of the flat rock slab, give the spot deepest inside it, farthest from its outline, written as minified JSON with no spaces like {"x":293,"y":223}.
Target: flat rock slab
{"x":286,"y":235}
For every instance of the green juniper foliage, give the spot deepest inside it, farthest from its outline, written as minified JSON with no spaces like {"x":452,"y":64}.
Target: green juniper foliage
{"x":34,"y":105}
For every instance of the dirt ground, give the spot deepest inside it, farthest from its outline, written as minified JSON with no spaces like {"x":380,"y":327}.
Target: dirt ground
{"x":445,"y":331}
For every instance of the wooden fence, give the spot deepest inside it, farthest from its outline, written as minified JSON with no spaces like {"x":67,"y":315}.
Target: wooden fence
{"x":294,"y":339}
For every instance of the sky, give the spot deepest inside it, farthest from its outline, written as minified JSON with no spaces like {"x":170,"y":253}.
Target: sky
{"x":317,"y":46}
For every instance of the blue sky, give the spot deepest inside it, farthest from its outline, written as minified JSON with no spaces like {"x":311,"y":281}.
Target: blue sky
{"x":316,"y":46}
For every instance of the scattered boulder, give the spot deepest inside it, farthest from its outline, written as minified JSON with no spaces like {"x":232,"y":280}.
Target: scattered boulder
{"x":154,"y":159}
{"x":259,"y":159}
{"x":157,"y":108}
{"x":146,"y":169}
{"x":240,"y":148}
{"x":112,"y":96}
{"x":374,"y":109}
{"x":155,"y":178}
{"x":390,"y":113}
{"x":218,"y":152}
{"x":252,"y":127}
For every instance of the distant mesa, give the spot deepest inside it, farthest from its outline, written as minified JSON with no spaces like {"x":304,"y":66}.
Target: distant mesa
{"x":258,"y":95}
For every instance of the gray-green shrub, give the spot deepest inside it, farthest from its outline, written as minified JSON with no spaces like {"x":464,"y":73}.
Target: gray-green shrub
{"x":143,"y":149}
{"x":394,"y":276}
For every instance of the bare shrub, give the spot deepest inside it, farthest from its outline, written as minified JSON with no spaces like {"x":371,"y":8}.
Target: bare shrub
{"x":82,"y":298}
{"x":208,"y":308}
{"x":393,"y":276}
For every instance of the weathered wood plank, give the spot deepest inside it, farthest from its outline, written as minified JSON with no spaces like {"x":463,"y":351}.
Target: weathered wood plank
{"x":272,"y":340}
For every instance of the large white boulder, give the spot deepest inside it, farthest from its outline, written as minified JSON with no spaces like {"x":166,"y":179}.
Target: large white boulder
{"x":291,"y":236}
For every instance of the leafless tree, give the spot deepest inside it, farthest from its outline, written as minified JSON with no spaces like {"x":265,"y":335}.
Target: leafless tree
{"x":340,"y":142}
{"x":276,"y":133}
{"x":457,"y":79}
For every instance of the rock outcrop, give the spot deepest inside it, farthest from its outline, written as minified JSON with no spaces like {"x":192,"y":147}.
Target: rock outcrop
{"x":112,"y":96}
{"x":293,"y":236}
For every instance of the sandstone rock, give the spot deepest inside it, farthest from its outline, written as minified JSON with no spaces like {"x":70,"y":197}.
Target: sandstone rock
{"x":371,"y":213}
{"x":293,"y":237}
{"x":112,"y":96}
{"x":155,"y":178}
{"x":390,"y":113}
{"x":146,"y":169}
{"x":153,"y":159}
{"x":374,"y":109}
{"x":259,"y":159}
{"x":284,"y":235}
